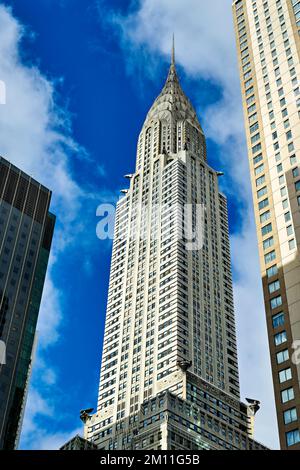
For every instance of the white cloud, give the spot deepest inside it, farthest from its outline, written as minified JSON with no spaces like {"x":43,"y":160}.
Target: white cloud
{"x":37,"y":406}
{"x":50,"y":314}
{"x":44,"y":143}
{"x":36,"y":136}
{"x":205,"y":48}
{"x":42,"y":148}
{"x":204,"y":43}
{"x":101,"y":170}
{"x":34,"y":435}
{"x":56,"y":440}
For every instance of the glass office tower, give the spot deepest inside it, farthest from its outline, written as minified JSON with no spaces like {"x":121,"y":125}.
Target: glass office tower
{"x":26,"y":230}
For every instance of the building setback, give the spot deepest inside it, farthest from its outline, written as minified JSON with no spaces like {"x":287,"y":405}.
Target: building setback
{"x":268,"y":45}
{"x":26,"y":230}
{"x":169,"y":374}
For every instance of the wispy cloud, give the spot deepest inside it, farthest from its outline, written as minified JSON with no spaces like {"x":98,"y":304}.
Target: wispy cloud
{"x":43,"y":146}
{"x":205,"y":48}
{"x":204,"y":45}
{"x":36,"y":135}
{"x":35,"y":436}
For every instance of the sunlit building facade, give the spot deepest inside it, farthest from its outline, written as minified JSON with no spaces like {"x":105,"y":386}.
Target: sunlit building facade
{"x":268,"y":46}
{"x":169,"y":373}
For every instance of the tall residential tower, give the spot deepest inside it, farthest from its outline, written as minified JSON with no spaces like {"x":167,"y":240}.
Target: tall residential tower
{"x":169,"y":375}
{"x":268,"y":44}
{"x":26,"y":229}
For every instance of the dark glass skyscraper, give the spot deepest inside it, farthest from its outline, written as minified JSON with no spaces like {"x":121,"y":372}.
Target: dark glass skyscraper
{"x":26,"y":230}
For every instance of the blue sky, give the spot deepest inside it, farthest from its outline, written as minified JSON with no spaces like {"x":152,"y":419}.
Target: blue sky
{"x":80,"y":77}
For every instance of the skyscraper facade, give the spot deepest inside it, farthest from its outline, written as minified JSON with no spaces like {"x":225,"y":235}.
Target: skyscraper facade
{"x":268,"y":45}
{"x":26,"y":230}
{"x":169,"y":374}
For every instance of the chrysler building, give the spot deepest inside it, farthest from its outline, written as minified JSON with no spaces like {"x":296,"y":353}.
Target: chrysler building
{"x":169,"y":374}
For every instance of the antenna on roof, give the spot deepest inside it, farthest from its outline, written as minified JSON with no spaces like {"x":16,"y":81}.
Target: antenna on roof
{"x":173,"y":51}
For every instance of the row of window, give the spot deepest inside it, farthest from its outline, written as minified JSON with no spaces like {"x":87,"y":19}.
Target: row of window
{"x":290,"y":415}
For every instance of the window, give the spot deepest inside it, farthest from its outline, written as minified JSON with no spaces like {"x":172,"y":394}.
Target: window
{"x":289,"y":230}
{"x":259,"y":169}
{"x":252,"y":118}
{"x":276,"y":302}
{"x":274,"y":286}
{"x":280,"y":338}
{"x":297,"y":186}
{"x":265,"y":216}
{"x":268,"y":243}
{"x":287,"y":216}
{"x":266,"y":229}
{"x":282,"y":356}
{"x":282,"y":102}
{"x":290,"y":416}
{"x":292,"y":244}
{"x":278,"y":320}
{"x":254,"y":127}
{"x":272,"y":271}
{"x":295,"y":172}
{"x":256,"y":148}
{"x":262,"y":192}
{"x":293,"y":437}
{"x":261,"y":180}
{"x":255,"y":138}
{"x":264,"y":203}
{"x":257,"y":159}
{"x":269,"y":257}
{"x":287,"y":395}
{"x":251,"y":99}
{"x":283,"y":191}
{"x":285,"y":375}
